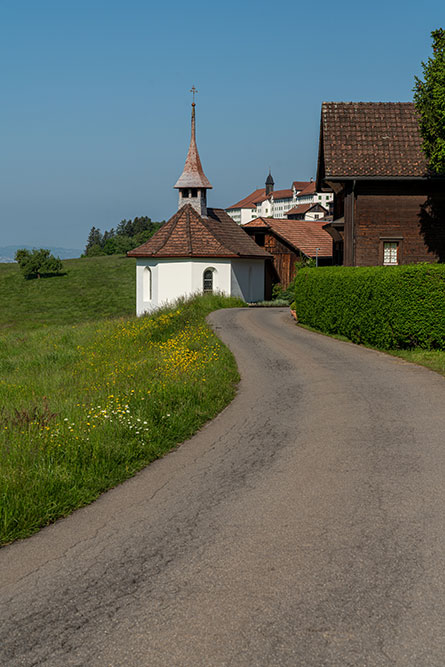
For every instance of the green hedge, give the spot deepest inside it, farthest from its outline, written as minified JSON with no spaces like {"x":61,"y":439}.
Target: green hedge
{"x":384,"y":306}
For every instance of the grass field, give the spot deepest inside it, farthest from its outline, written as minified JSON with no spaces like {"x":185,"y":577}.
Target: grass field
{"x":89,"y":288}
{"x":85,"y":405}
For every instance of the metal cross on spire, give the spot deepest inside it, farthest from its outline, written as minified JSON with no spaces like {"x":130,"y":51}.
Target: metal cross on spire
{"x":194,"y":91}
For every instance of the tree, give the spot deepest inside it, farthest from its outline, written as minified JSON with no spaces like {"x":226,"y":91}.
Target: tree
{"x":429,"y":99}
{"x":36,"y":263}
{"x":94,"y":239}
{"x":128,"y":234}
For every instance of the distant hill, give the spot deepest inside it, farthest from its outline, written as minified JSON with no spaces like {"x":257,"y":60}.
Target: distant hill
{"x":7,"y":253}
{"x":88,"y":289}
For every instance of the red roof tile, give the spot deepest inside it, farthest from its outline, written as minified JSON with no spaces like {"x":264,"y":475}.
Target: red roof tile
{"x":370,"y":139}
{"x":249,"y":201}
{"x":299,"y":185}
{"x":282,"y":194}
{"x":304,"y":208}
{"x":309,"y":189}
{"x":187,"y":234}
{"x":303,"y":235}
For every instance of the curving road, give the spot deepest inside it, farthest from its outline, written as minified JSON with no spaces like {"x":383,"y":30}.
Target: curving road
{"x":303,"y":526}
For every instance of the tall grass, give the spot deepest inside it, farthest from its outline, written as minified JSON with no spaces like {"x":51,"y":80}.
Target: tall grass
{"x":84,"y":407}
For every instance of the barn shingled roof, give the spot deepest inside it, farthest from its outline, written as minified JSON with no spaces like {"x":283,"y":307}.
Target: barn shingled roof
{"x":369,"y":139}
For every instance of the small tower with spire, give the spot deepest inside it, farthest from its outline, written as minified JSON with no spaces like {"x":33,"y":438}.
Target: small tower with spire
{"x":269,"y":184}
{"x":193,"y":183}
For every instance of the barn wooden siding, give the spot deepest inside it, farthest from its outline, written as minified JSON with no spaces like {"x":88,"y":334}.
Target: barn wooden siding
{"x":376,"y":212}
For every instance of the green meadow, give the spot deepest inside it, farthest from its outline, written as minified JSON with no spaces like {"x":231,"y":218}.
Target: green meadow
{"x":88,"y":288}
{"x":89,"y":394}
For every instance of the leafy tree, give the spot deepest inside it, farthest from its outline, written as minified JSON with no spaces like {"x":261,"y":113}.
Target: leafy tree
{"x":36,"y":263}
{"x":129,"y":234}
{"x":429,"y":99}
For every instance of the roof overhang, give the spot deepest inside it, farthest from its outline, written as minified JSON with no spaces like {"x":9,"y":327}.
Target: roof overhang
{"x":350,"y":177}
{"x":191,"y":257}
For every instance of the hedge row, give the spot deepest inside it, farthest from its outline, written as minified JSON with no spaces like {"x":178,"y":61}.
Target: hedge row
{"x":387,"y":307}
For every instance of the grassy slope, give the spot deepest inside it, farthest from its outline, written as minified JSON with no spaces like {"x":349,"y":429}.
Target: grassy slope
{"x":88,"y":394}
{"x":91,"y":288}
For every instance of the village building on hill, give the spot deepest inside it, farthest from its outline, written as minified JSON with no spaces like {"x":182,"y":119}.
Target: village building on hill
{"x":387,"y":209}
{"x":290,"y":241}
{"x":267,"y":202}
{"x":200,"y":249}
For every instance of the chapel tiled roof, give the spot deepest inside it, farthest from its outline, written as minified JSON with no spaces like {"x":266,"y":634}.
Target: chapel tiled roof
{"x":303,"y":235}
{"x":249,"y":201}
{"x":365,"y":139}
{"x":187,"y":234}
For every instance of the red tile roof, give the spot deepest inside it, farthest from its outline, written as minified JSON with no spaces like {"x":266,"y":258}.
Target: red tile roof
{"x":283,"y":194}
{"x":366,"y":139}
{"x":299,"y":185}
{"x":302,"y":208}
{"x":187,"y":234}
{"x":249,"y":201}
{"x":303,"y":235}
{"x":309,"y":189}
{"x":257,"y":222}
{"x":259,"y":196}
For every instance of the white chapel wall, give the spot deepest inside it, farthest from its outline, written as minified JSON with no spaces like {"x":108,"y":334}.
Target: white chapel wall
{"x":248,"y":279}
{"x":146,"y":285}
{"x":221,"y":274}
{"x":169,"y":279}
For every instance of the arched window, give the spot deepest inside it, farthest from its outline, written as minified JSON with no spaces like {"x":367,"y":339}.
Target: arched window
{"x":147,"y":284}
{"x":208,"y":281}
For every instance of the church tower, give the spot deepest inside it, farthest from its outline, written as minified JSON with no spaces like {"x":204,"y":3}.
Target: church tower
{"x":193,"y":183}
{"x":269,"y":184}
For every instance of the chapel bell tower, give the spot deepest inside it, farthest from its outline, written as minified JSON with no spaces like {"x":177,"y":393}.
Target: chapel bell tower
{"x":193,"y":183}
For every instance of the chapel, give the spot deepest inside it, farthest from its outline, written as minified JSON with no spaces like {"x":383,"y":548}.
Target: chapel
{"x":199,"y":249}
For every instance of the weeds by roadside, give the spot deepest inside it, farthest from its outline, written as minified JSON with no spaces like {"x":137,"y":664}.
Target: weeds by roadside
{"x":84,"y":407}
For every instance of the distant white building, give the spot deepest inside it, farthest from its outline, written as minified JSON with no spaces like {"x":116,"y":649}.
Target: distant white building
{"x":269,"y":203}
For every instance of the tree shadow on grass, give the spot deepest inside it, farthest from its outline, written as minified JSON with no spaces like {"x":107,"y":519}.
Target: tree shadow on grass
{"x":35,"y":276}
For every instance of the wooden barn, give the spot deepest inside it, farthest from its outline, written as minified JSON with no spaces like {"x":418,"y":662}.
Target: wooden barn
{"x":289,"y":241}
{"x":387,"y":208}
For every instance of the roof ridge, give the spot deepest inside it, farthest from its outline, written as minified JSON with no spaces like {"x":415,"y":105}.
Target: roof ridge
{"x":208,"y":227}
{"x":174,"y":219}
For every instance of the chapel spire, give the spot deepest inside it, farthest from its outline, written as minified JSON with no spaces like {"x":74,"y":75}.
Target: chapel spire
{"x":193,"y":183}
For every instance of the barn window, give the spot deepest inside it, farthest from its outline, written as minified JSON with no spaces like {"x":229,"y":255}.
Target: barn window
{"x":147,"y":288}
{"x":208,"y":281}
{"x":390,"y":253}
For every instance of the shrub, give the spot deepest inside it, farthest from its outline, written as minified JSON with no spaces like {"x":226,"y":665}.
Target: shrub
{"x":387,"y":307}
{"x":35,"y":263}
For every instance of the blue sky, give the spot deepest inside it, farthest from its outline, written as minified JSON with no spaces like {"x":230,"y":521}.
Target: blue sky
{"x":95,"y":110}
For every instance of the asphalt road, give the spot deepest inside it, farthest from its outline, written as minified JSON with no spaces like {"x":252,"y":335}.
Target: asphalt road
{"x":303,"y":526}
